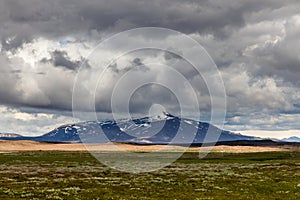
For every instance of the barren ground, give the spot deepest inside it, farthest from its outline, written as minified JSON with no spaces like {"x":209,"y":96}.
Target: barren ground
{"x":11,"y":146}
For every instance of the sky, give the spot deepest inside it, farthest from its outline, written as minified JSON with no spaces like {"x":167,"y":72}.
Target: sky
{"x":45,"y":44}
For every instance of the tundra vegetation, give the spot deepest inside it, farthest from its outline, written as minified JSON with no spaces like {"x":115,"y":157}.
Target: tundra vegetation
{"x":77,"y":175}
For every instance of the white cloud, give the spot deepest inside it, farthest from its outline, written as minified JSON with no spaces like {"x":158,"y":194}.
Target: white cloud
{"x":30,"y":124}
{"x":272,"y":134}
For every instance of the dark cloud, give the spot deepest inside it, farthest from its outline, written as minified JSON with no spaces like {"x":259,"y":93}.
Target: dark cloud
{"x":8,"y":82}
{"x":171,"y":56}
{"x":61,"y":59}
{"x":280,"y":60}
{"x":114,"y":67}
{"x":254,"y":43}
{"x":16,"y":71}
{"x":23,"y":20}
{"x":136,"y":64}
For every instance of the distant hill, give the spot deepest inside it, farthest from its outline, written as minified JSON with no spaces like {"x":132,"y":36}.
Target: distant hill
{"x":9,"y":135}
{"x":291,"y":139}
{"x":163,"y":129}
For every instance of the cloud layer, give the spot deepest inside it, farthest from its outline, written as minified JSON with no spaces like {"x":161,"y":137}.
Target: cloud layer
{"x":255,"y":44}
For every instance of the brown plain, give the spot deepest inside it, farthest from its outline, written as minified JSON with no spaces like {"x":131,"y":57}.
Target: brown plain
{"x":12,"y":146}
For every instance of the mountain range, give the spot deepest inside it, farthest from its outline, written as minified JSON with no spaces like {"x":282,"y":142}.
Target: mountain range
{"x":162,"y":129}
{"x":291,"y":139}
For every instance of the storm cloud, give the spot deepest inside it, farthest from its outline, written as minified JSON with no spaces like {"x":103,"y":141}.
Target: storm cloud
{"x":61,"y":59}
{"x":255,"y":45}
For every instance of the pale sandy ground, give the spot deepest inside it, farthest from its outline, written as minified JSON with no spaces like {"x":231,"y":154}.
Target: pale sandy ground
{"x":11,"y":146}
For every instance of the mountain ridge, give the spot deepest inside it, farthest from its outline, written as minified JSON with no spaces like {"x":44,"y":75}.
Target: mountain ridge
{"x":291,"y":139}
{"x":161,"y":129}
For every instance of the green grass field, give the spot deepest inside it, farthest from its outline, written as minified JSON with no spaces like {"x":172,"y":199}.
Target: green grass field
{"x":77,"y":175}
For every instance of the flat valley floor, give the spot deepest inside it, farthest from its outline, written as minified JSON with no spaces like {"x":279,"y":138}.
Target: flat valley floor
{"x":25,"y":145}
{"x":227,"y":172}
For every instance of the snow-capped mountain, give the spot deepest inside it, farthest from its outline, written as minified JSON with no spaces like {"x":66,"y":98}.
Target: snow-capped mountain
{"x":291,"y":139}
{"x":162,"y":129}
{"x":9,"y":135}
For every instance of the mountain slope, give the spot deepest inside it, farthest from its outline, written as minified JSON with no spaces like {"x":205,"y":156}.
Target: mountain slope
{"x":9,"y":135}
{"x":291,"y":139}
{"x":163,"y":129}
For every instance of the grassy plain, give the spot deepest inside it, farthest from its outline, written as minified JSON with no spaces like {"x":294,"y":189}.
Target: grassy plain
{"x":77,"y":175}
